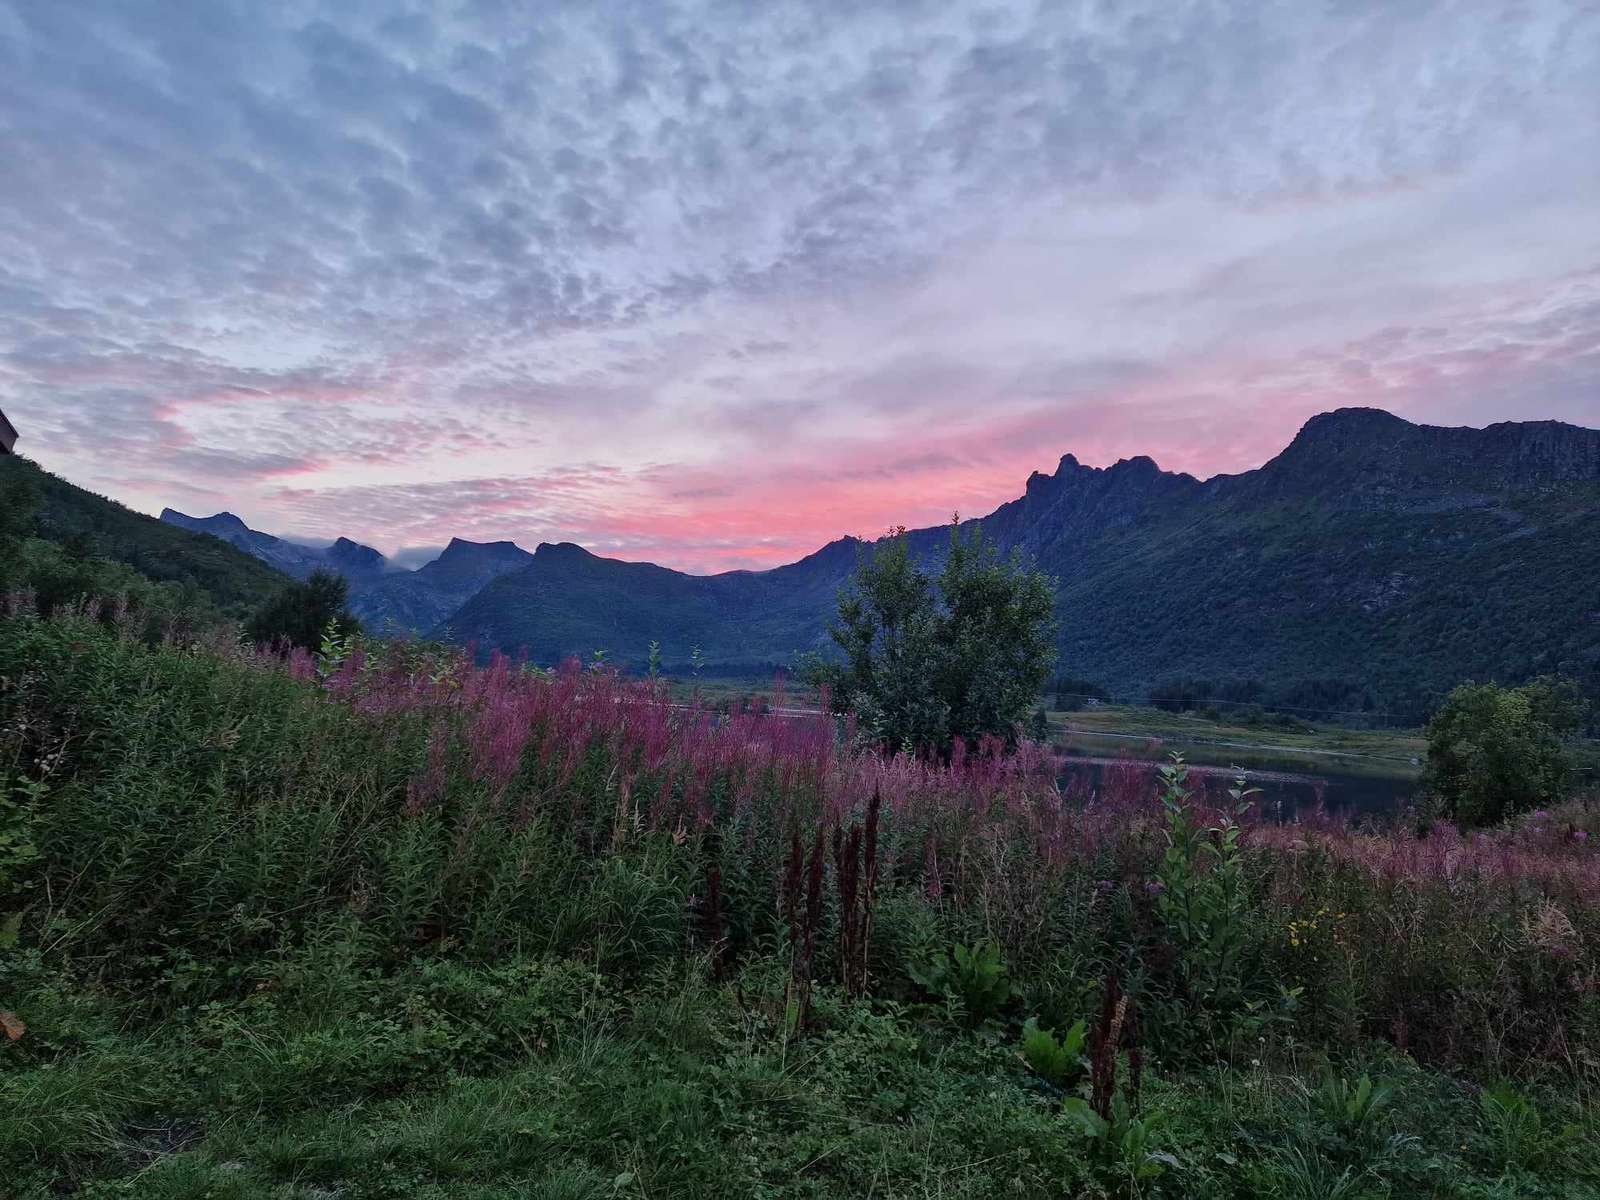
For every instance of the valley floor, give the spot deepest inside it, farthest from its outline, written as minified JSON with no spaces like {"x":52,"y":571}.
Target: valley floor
{"x":1401,"y":749}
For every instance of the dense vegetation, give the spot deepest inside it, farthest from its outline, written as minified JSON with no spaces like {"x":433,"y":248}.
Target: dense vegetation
{"x":928,"y":659}
{"x":305,"y":612}
{"x":64,"y":543}
{"x":380,"y":923}
{"x":1494,"y":752}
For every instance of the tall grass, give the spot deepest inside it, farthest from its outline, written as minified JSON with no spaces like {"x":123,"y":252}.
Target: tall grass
{"x":201,"y":802}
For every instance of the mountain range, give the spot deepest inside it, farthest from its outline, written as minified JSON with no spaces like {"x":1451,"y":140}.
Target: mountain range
{"x":383,"y":596}
{"x":423,"y":600}
{"x":1372,"y":557}
{"x":354,"y":561}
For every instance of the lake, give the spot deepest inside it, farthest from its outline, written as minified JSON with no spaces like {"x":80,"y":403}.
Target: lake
{"x":1291,"y":781}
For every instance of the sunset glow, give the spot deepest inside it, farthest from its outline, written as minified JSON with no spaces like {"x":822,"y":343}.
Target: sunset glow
{"x":712,"y":287}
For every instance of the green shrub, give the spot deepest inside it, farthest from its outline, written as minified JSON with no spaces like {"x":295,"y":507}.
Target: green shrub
{"x":305,"y":614}
{"x":928,"y":659}
{"x":1494,"y":751}
{"x":1127,"y":1147}
{"x":1056,"y":1060}
{"x":1515,"y":1134}
{"x":1219,"y":994}
{"x":972,"y":979}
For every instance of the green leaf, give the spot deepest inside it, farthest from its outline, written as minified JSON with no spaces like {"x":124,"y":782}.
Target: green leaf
{"x":1090,"y":1123}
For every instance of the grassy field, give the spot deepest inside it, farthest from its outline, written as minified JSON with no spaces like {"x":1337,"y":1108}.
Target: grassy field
{"x":1144,"y":732}
{"x":398,"y":927}
{"x":1403,"y":746}
{"x":322,"y":1074}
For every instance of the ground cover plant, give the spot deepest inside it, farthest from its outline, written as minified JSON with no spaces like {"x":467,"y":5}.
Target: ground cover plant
{"x":375,"y":921}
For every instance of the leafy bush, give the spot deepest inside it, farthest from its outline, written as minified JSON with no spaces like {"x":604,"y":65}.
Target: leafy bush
{"x":302,"y":614}
{"x":1352,"y":1109}
{"x":1056,"y":1060}
{"x":974,"y":978}
{"x":1127,"y":1147}
{"x":1517,"y":1137}
{"x":1202,"y":900}
{"x":1494,"y":752}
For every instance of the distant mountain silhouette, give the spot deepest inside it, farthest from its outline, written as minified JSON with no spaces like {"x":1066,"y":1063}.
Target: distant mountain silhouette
{"x":385,"y":598}
{"x":1372,"y":552}
{"x":417,"y":601}
{"x":355,"y":562}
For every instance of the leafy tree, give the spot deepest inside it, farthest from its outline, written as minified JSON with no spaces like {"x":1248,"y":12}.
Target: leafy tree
{"x":930,"y":659}
{"x":301,"y":612}
{"x":1495,"y":751}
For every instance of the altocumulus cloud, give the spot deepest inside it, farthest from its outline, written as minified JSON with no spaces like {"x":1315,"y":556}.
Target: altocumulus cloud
{"x":714,"y":282}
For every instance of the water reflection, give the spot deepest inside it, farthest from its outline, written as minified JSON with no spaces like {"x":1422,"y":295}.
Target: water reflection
{"x":1287,"y":788}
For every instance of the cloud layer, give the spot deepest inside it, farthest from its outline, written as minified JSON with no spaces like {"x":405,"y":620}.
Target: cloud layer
{"x":713,"y":282}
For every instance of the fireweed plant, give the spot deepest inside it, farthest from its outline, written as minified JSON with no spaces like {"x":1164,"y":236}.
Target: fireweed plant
{"x":221,"y":838}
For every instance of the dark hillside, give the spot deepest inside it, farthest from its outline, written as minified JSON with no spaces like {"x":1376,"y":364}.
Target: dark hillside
{"x":100,"y":528}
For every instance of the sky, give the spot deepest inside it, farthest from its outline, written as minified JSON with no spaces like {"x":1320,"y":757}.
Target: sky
{"x":712,"y":283}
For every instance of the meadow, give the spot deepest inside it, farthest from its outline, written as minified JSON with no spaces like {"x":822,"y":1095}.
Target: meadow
{"x":381,"y":922}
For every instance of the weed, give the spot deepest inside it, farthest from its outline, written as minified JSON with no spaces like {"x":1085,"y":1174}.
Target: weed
{"x":1515,"y":1134}
{"x":1126,"y":1147}
{"x":1058,"y":1061}
{"x":972,"y":980}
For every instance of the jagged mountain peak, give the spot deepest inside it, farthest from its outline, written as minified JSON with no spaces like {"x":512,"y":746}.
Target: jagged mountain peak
{"x":354,"y":559}
{"x":419,"y":600}
{"x":348,"y":558}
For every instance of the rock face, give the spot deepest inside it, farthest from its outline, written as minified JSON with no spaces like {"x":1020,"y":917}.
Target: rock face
{"x":355,"y":561}
{"x":1371,"y":549}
